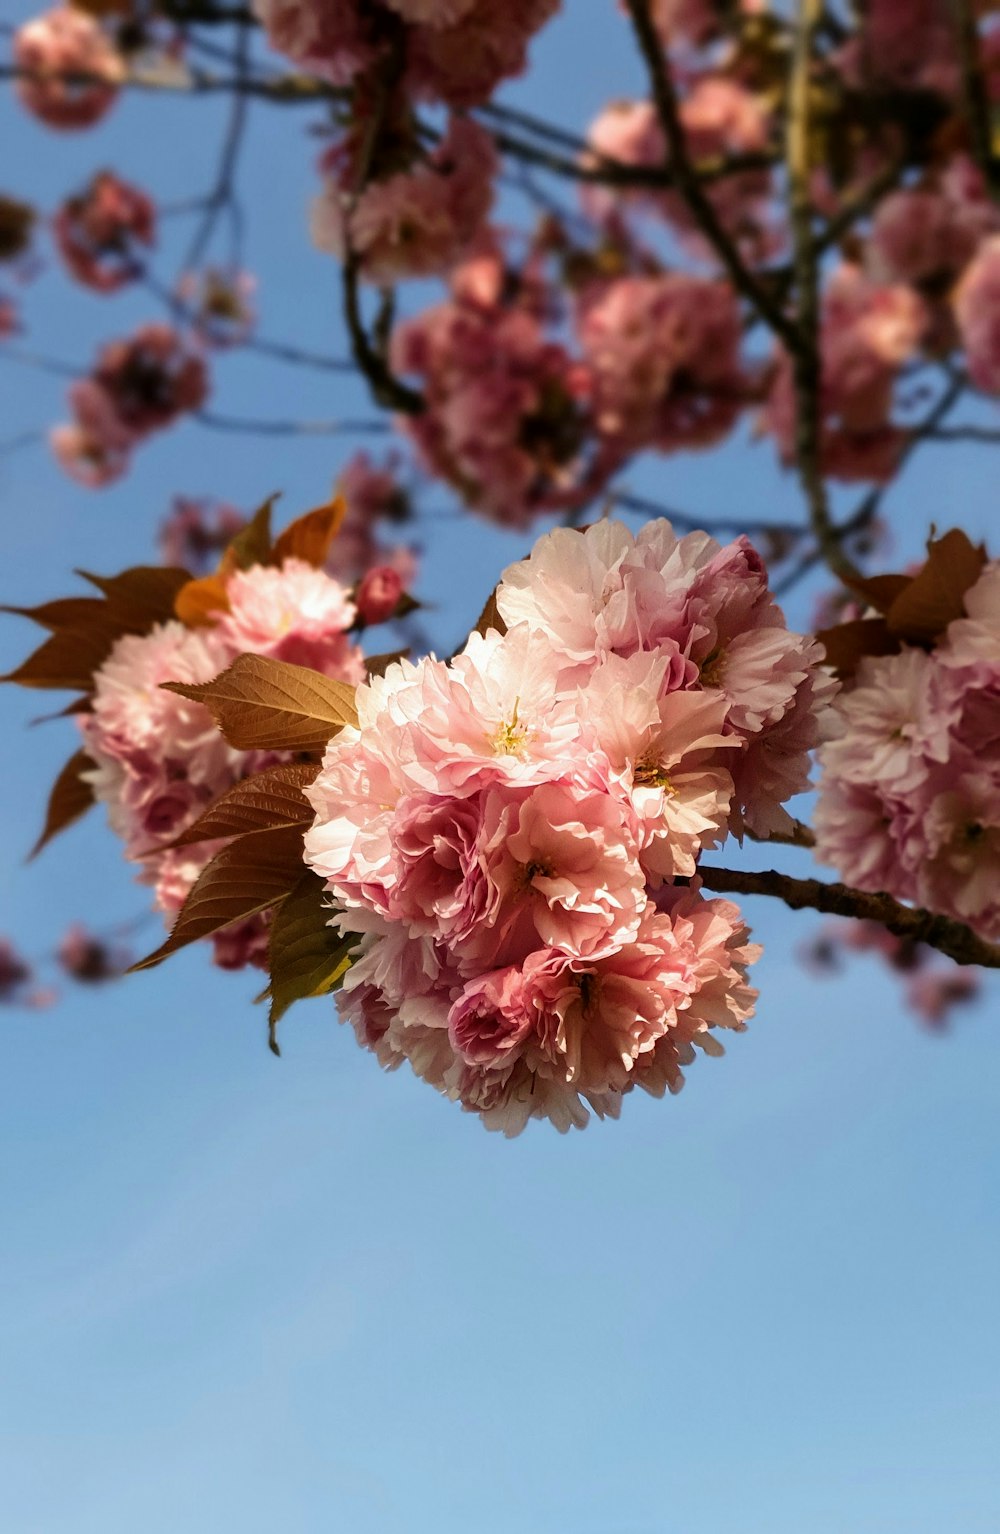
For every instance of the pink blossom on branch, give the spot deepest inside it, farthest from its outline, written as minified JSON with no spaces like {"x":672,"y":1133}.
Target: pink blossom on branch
{"x":664,"y":356}
{"x":71,"y":70}
{"x":139,"y":385}
{"x":97,"y":231}
{"x":159,"y":758}
{"x":456,"y":51}
{"x":414,"y":222}
{"x":977,"y":312}
{"x":909,"y":799}
{"x":869,"y":330}
{"x":505,"y":830}
{"x":507,"y":414}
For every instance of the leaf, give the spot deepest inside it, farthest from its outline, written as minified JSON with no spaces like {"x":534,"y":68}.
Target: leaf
{"x":252,"y":544}
{"x":271,"y":705}
{"x":936,"y":595}
{"x":252,"y":874}
{"x":306,"y":957}
{"x":70,"y":798}
{"x":266,"y":800}
{"x":378,"y":665}
{"x":73,"y":707}
{"x":880,"y":591}
{"x":67,"y":659}
{"x":140,"y":597}
{"x":490,"y":617}
{"x":65,"y":613}
{"x":309,"y":537}
{"x":846,"y":644}
{"x":199,"y":602}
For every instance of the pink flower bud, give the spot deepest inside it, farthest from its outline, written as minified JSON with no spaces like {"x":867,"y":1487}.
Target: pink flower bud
{"x":378,"y":594}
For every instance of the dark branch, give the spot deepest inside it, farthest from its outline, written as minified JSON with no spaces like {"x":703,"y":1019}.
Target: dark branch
{"x":949,"y":937}
{"x":688,"y":181}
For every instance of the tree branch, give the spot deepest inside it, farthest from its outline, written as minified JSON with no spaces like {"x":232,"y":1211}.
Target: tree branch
{"x":689,"y":184}
{"x":974,"y":93}
{"x":806,"y":359}
{"x":949,"y":937}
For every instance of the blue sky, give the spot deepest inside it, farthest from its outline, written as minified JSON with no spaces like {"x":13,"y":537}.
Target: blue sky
{"x":240,"y":1293}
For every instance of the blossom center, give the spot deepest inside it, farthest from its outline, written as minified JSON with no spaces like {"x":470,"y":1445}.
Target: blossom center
{"x":650,"y":773}
{"x":711,"y":669}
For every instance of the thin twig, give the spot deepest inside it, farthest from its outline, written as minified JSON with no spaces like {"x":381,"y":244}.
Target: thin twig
{"x":949,"y":937}
{"x":223,"y":193}
{"x":42,"y":363}
{"x":868,"y":507}
{"x":651,"y":508}
{"x":266,"y":428}
{"x":372,"y":359}
{"x":689,"y":183}
{"x":963,"y":434}
{"x":974,"y":93}
{"x":806,"y":359}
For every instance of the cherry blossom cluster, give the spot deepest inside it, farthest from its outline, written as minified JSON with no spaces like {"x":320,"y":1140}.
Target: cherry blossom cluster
{"x":139,"y":385}
{"x":417,"y":217}
{"x":909,"y":798}
{"x":452,"y":51}
{"x":71,"y":69}
{"x":159,"y":758}
{"x":101,"y":231}
{"x":516,"y":832}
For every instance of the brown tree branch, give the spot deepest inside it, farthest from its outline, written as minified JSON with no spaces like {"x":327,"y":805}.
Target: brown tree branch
{"x":949,"y":937}
{"x":974,"y":93}
{"x":806,"y":359}
{"x":689,"y":184}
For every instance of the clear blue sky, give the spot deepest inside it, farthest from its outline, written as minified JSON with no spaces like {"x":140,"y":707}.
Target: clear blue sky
{"x":298,"y":1295}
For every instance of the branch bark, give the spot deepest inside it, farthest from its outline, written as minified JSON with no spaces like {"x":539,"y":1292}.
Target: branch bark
{"x":951,"y":938}
{"x":806,"y":358}
{"x":689,"y":183}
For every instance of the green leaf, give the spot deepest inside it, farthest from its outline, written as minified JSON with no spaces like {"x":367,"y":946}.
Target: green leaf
{"x":307,"y":957}
{"x":252,"y":544}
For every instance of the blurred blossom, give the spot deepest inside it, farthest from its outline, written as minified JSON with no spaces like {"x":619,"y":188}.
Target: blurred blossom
{"x":196,"y":531}
{"x":96,"y":232}
{"x":84,"y":956}
{"x":220,"y":303}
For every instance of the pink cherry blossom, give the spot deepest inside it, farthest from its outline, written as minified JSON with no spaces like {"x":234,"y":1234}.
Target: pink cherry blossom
{"x":927,"y":234}
{"x":414,"y":222}
{"x":909,"y":44}
{"x":868,"y":331}
{"x":664,"y":353}
{"x":977,"y":312}
{"x":909,"y":798}
{"x":98,"y":231}
{"x":71,"y":71}
{"x":378,"y":594}
{"x":292,"y":612}
{"x":462,"y":64}
{"x":337,"y":39}
{"x":506,"y":414}
{"x":220,"y":303}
